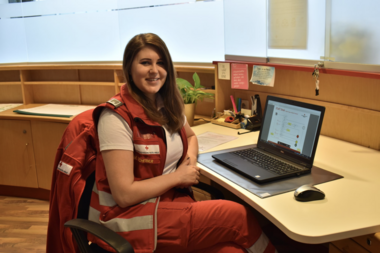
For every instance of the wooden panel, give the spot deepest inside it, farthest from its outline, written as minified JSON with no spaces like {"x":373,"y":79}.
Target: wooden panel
{"x":27,"y":92}
{"x":369,"y":242}
{"x":16,"y":191}
{"x":120,"y":75}
{"x":347,"y":90}
{"x":205,"y":107}
{"x":343,"y":122}
{"x":349,"y":246}
{"x":68,"y":65}
{"x":222,"y":94}
{"x":53,"y":75}
{"x":57,"y":94}
{"x":117,"y":81}
{"x":10,"y":76}
{"x":201,"y":195}
{"x":17,"y":166}
{"x":94,"y":95}
{"x":46,"y":136}
{"x":96,"y":75}
{"x":74,"y":83}
{"x":333,"y":249}
{"x":10,"y":94}
{"x":199,"y":68}
{"x":207,"y":79}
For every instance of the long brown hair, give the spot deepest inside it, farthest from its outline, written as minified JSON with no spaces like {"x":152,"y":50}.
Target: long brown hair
{"x":172,"y":117}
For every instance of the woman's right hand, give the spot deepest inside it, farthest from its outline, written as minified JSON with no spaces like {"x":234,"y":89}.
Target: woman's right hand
{"x":188,"y":175}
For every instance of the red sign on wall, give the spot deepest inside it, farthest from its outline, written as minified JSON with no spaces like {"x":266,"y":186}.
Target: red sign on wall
{"x":239,"y":76}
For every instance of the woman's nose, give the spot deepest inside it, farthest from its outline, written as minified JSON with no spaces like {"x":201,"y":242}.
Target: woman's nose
{"x":153,"y":69}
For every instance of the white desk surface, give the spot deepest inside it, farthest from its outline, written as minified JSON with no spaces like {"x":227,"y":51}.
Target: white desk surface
{"x":352,"y":204}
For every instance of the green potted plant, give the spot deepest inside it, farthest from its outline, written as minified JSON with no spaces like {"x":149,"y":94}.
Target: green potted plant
{"x":191,"y":95}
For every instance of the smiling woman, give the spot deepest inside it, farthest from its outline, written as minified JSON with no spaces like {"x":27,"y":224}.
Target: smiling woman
{"x":146,"y":58}
{"x":149,"y":156}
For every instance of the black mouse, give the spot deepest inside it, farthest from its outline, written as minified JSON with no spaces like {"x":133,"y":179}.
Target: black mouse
{"x":307,"y":192}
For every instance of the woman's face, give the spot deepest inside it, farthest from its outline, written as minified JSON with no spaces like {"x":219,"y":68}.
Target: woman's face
{"x":148,"y":72}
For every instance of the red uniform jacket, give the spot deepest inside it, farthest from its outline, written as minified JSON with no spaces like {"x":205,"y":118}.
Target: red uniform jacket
{"x":79,"y":141}
{"x":78,"y":155}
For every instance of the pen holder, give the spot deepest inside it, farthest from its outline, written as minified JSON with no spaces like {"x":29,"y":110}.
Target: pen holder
{"x":252,"y":123}
{"x":220,"y":118}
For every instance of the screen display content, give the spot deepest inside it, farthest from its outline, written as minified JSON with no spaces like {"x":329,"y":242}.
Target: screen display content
{"x":290,"y":128}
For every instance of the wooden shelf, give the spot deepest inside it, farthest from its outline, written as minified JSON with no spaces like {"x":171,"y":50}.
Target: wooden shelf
{"x":210,"y":91}
{"x":69,"y":83}
{"x":195,"y":68}
{"x":10,"y":83}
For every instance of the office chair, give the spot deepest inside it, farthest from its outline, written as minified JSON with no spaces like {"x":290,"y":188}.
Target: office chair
{"x":81,"y":226}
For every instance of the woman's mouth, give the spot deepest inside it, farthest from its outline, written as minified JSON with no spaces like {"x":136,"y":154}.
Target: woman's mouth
{"x":152,"y":79}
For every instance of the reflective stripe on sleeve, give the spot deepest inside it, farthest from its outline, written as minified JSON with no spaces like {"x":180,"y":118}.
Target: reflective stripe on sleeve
{"x":93,"y":215}
{"x":106,"y":199}
{"x":152,"y":200}
{"x":95,"y":189}
{"x":260,"y":245}
{"x":128,"y":225}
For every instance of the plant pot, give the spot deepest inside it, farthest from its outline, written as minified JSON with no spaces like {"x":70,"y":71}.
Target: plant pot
{"x":189,"y":112}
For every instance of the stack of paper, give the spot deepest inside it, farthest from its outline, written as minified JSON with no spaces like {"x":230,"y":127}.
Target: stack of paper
{"x":55,"y":110}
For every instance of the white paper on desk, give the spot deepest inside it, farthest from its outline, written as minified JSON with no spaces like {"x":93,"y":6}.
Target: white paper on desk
{"x":4,"y":107}
{"x":56,"y":109}
{"x":209,"y":140}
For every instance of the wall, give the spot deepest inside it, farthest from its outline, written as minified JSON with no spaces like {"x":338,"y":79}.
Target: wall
{"x":352,"y":102}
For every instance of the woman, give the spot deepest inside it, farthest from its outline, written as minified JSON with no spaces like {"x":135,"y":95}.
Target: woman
{"x":148,"y":162}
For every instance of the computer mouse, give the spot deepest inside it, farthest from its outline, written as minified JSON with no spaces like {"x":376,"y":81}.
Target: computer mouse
{"x":308,"y":192}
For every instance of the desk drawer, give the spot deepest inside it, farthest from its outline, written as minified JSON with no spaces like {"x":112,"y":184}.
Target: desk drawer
{"x":347,"y":246}
{"x":369,"y":242}
{"x":333,"y":249}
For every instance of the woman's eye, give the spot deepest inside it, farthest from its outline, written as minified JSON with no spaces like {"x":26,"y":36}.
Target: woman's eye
{"x":145,"y":63}
{"x":160,"y":63}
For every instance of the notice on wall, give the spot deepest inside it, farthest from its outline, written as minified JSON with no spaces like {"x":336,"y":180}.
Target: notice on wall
{"x":263,"y":75}
{"x":224,"y":71}
{"x":239,"y":76}
{"x":288,"y":21}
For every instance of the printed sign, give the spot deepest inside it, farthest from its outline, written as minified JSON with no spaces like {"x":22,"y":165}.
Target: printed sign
{"x":239,"y":76}
{"x":224,"y":71}
{"x":263,"y":75}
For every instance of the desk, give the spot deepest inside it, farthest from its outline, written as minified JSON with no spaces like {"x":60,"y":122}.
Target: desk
{"x":351,"y":207}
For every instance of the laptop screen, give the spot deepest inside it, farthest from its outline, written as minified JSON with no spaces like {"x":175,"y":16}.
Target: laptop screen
{"x":291,"y":126}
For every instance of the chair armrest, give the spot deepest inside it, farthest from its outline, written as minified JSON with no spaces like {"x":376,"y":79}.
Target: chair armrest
{"x":116,"y":241}
{"x":210,"y":189}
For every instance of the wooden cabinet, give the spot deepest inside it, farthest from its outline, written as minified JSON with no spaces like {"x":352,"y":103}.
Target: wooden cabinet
{"x":361,"y":244}
{"x":46,"y":138}
{"x":17,"y":164}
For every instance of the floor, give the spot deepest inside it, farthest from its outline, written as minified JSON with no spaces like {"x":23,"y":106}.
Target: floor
{"x":23,"y":225}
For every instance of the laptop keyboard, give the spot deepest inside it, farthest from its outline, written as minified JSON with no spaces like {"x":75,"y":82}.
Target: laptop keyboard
{"x":267,"y":162}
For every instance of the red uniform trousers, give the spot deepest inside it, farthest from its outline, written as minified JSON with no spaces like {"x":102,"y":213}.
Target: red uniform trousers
{"x":208,"y":226}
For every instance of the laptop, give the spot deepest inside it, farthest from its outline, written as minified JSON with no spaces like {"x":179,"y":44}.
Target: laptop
{"x":287,"y":142}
